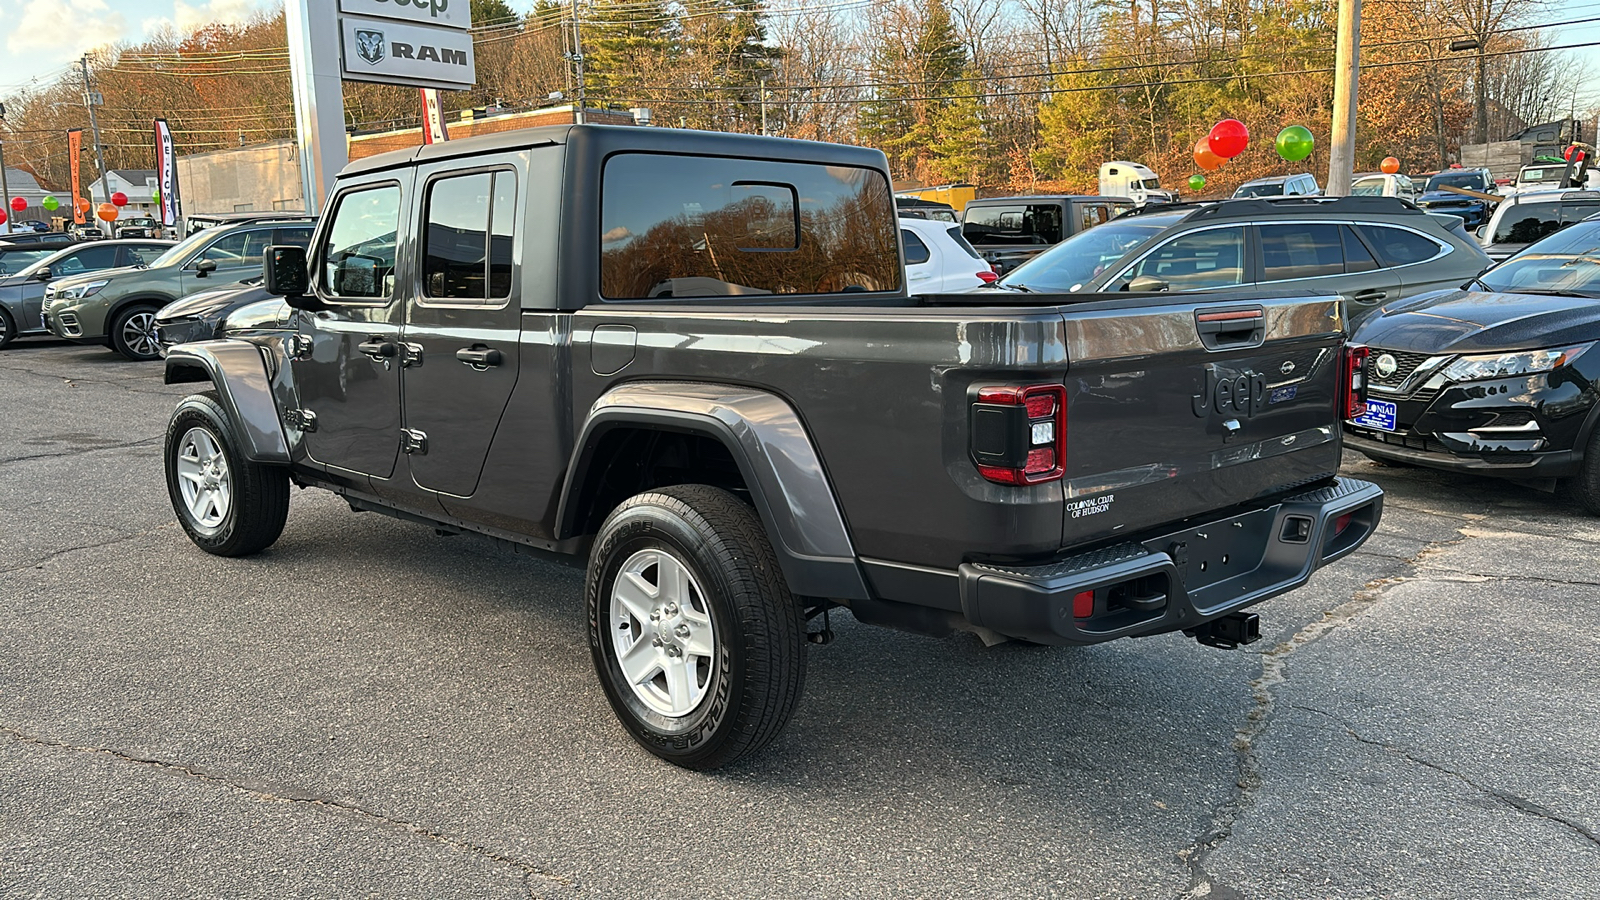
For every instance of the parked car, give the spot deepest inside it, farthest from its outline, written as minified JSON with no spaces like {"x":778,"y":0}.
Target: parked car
{"x":38,"y":239}
{"x":1379,"y":184}
{"x":1303,"y":185}
{"x":1367,"y":250}
{"x":22,"y":294}
{"x":1473,"y":211}
{"x":1537,"y":177}
{"x":1501,"y":378}
{"x":739,"y":464}
{"x":27,"y":226}
{"x":918,"y":208}
{"x":16,"y":257}
{"x":1008,"y":231}
{"x":939,"y":260}
{"x":118,"y":308}
{"x":1525,"y":218}
{"x":138,"y":226}
{"x":201,"y":221}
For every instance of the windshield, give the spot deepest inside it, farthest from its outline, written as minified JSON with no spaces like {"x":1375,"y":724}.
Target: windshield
{"x":1565,"y":262}
{"x":1070,"y":264}
{"x":140,"y":220}
{"x":1264,"y":189}
{"x":182,"y":248}
{"x":1469,"y":180}
{"x":1367,"y":187}
{"x":1540,"y":174}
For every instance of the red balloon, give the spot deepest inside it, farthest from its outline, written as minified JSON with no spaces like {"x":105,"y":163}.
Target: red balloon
{"x":1205,"y":157}
{"x":19,"y":204}
{"x":2,"y":217}
{"x":1567,"y":153}
{"x":1229,"y":138}
{"x":119,"y":199}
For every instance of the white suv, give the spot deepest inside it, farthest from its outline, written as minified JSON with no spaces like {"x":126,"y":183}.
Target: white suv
{"x":939,"y":260}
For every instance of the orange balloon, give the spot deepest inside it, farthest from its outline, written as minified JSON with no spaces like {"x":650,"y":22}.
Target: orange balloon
{"x":84,"y":205}
{"x":1389,"y":166}
{"x":107,"y":212}
{"x":1205,"y":157}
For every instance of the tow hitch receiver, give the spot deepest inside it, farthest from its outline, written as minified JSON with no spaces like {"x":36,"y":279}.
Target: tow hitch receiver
{"x":1230,"y":631}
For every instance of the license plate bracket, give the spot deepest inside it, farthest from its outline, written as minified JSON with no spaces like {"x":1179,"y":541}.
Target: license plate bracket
{"x":1380,"y":414}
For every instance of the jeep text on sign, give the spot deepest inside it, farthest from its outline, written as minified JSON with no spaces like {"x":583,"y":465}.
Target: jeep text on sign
{"x":391,"y":52}
{"x":444,"y":13}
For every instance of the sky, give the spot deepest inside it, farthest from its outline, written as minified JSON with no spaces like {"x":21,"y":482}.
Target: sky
{"x":40,"y":38}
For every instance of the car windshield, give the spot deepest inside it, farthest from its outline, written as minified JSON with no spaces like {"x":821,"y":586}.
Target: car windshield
{"x":1367,"y":187}
{"x":145,"y":221}
{"x":1469,"y":180}
{"x":1070,"y":264}
{"x":1264,"y":189}
{"x":183,"y":248}
{"x":1567,"y":262}
{"x":1540,"y":174}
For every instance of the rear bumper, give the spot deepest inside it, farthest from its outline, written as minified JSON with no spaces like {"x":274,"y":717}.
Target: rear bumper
{"x":1175,"y":581}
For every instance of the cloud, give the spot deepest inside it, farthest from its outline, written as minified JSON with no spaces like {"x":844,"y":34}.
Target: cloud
{"x":188,"y":16}
{"x":61,"y":29}
{"x":616,"y":234}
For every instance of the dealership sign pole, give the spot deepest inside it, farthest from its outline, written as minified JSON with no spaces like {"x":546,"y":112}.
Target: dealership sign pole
{"x":418,"y":43}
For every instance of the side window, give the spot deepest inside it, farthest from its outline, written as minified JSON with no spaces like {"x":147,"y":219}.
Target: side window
{"x":1357,"y":258}
{"x":1398,"y":247}
{"x":1526,"y":223}
{"x":689,"y":226}
{"x":90,"y":260}
{"x":916,"y":250}
{"x":1300,"y":251}
{"x":1092,"y":214}
{"x":1042,"y":224}
{"x":291,"y":237}
{"x":1202,"y":259}
{"x":243,"y":248}
{"x":992,"y":224}
{"x":467,"y":247}
{"x":139,"y":255}
{"x":955,"y":235}
{"x":357,"y":258}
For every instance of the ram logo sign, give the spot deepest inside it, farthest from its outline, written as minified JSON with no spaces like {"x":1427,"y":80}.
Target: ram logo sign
{"x":417,"y":55}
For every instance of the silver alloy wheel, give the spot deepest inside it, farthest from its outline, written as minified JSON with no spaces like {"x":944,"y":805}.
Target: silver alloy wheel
{"x":139,"y":333}
{"x":661,"y":633}
{"x":203,"y":479}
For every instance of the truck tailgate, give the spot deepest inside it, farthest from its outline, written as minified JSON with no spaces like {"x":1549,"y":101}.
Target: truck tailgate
{"x":1184,"y":409}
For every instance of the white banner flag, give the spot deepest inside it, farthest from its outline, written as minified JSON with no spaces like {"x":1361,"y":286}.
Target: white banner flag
{"x":167,"y":173}
{"x":433,"y":130}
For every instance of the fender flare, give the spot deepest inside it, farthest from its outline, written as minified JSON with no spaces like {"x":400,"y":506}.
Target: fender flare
{"x":115,"y":309}
{"x":774,"y":454}
{"x":239,"y":373}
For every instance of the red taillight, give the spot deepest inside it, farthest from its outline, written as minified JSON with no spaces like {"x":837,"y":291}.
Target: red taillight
{"x":987,"y":276}
{"x":1353,"y":381}
{"x":1343,"y":522}
{"x":1019,"y":434}
{"x":1083,"y":604}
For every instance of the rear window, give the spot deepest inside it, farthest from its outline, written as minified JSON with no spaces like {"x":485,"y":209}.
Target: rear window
{"x":955,"y":235}
{"x":689,"y":226}
{"x":1300,"y":251}
{"x":1019,"y":224}
{"x":1397,"y":246}
{"x":916,"y":250}
{"x":1526,"y":223}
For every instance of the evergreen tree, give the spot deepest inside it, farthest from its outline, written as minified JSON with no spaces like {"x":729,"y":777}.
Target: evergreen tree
{"x":918,"y":65}
{"x":627,"y":44}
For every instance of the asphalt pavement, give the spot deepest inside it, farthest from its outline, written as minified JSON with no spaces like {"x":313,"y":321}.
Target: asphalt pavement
{"x":367,"y":709}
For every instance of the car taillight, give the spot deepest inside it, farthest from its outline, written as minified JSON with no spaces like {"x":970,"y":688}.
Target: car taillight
{"x":987,"y":276}
{"x":1353,"y":381}
{"x":1019,"y":434}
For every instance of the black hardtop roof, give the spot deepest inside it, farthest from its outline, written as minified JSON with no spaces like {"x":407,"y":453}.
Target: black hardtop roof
{"x":1028,"y":198}
{"x":609,"y":139}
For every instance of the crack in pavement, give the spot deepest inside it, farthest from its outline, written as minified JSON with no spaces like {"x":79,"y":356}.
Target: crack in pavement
{"x":1520,"y":804}
{"x":125,"y":536}
{"x":528,"y":870}
{"x":1274,"y":672}
{"x":80,"y":451}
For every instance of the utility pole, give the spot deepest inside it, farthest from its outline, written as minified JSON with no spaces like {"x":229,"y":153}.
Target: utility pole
{"x":763,"y":106}
{"x":577,"y":57}
{"x":94,"y":131}
{"x":1346,"y":73}
{"x":5,"y":183}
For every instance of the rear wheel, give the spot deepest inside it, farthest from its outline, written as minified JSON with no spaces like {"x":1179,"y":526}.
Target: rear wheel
{"x":8,"y":329}
{"x":697,"y":642}
{"x":228,"y":505}
{"x":133,"y":333}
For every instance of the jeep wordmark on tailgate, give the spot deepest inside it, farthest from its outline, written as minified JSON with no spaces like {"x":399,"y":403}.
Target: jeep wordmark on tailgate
{"x":691,"y":359}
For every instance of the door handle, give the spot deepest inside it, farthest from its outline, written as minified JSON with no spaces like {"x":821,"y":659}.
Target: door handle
{"x":1370,"y":295}
{"x":479,"y":358}
{"x":379,"y":349}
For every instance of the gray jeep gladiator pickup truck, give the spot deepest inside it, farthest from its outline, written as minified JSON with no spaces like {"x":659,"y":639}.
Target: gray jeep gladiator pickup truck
{"x":691,"y":359}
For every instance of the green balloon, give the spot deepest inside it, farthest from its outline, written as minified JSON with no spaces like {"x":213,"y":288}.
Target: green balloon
{"x":51,"y":203}
{"x":155,"y":196}
{"x":1197,"y":182}
{"x":1295,"y":143}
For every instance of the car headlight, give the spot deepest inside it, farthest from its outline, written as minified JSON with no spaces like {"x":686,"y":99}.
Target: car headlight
{"x":1510,"y":365}
{"x":80,"y":291}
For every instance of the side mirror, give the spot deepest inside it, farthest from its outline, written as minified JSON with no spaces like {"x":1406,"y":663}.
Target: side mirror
{"x":204,"y":267}
{"x":42,"y":274}
{"x":286,"y":275}
{"x":1147,"y":284}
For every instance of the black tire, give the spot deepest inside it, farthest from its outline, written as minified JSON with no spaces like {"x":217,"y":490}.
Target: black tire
{"x":258,"y":495}
{"x":1587,"y":483}
{"x":757,"y":655}
{"x":132,"y":333}
{"x":8,"y":329}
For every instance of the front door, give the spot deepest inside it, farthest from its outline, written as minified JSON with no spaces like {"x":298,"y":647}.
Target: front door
{"x":236,"y":255}
{"x":462,"y":327}
{"x":348,"y":357}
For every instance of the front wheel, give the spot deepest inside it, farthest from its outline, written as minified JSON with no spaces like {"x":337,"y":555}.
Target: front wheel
{"x":697,"y":642}
{"x":1588,"y":480}
{"x":8,"y":329}
{"x":227,"y":504}
{"x":133,"y":334}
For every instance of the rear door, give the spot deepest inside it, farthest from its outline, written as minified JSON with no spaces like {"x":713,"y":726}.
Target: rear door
{"x":462,"y":322}
{"x":922,"y":263}
{"x":1328,"y":257}
{"x":237,"y":256}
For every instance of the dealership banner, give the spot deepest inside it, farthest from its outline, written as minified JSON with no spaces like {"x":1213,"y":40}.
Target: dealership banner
{"x":167,"y":173}
{"x":433,"y":129}
{"x":75,"y":150}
